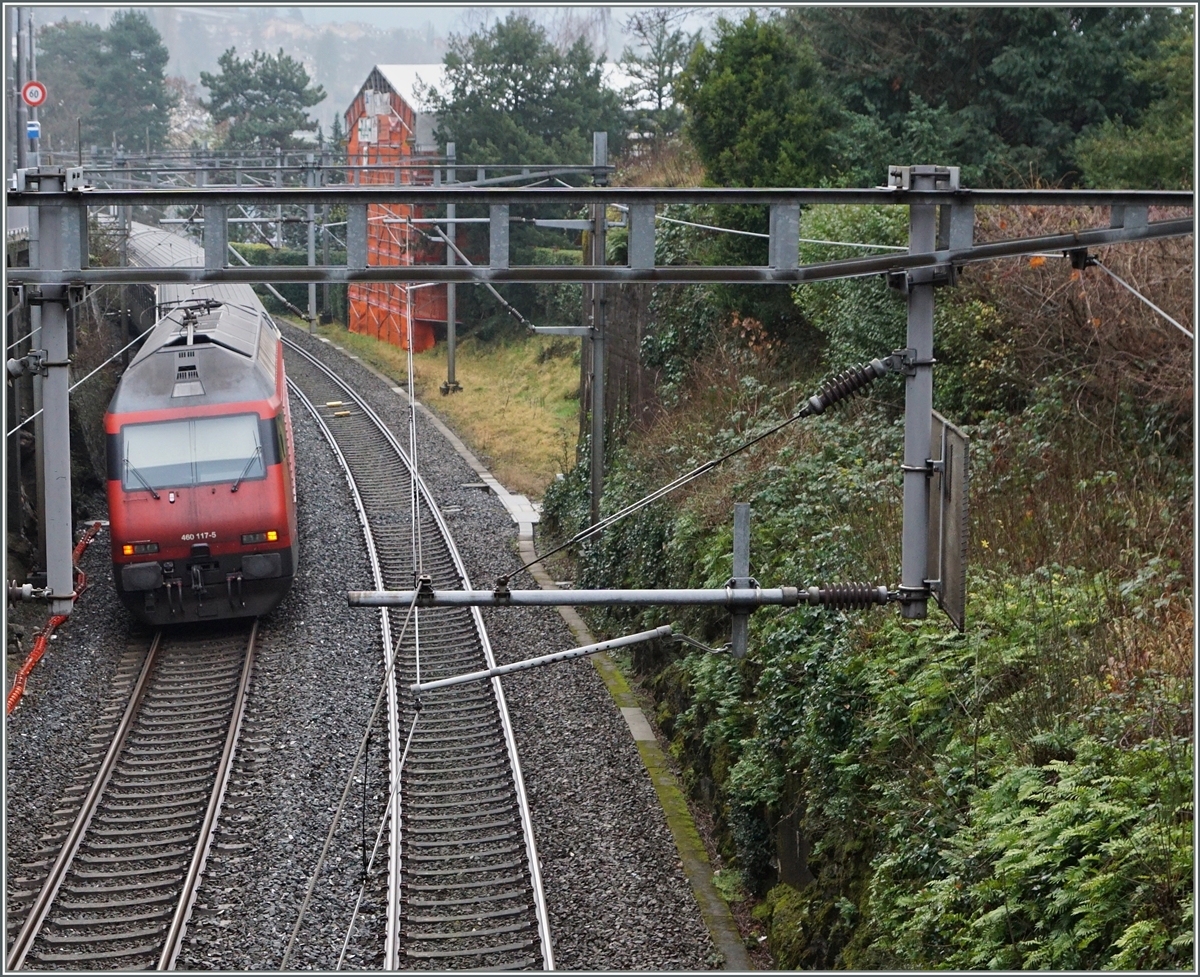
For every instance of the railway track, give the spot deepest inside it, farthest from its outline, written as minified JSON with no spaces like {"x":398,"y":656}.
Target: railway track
{"x":114,"y":886}
{"x":464,"y":887}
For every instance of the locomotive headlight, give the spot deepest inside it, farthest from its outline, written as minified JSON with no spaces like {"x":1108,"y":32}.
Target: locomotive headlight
{"x":267,"y":536}
{"x":137,"y":549}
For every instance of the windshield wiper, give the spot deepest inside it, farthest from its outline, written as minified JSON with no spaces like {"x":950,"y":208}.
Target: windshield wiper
{"x":138,"y":475}
{"x":238,"y":481}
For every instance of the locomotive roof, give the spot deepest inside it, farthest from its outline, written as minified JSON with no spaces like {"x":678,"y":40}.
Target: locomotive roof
{"x":214,"y":343}
{"x":153,"y":247}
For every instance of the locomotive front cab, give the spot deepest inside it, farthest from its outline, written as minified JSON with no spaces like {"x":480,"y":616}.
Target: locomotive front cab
{"x":203,"y":524}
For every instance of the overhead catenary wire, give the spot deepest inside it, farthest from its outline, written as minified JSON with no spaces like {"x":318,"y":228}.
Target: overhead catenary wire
{"x":71,"y":388}
{"x":1120,"y":281}
{"x":834,"y":390}
{"x":508,"y":307}
{"x":759,"y":234}
{"x":337,"y":817}
{"x":378,"y":840}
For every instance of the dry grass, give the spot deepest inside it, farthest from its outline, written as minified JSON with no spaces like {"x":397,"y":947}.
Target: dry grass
{"x":518,"y":409}
{"x":673,"y":164}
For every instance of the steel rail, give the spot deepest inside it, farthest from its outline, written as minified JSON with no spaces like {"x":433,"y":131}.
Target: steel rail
{"x":501,"y":710}
{"x":164,"y":744}
{"x":391,"y":938}
{"x":191,"y":883}
{"x":662,"y":274}
{"x":41,"y":906}
{"x":600,"y":196}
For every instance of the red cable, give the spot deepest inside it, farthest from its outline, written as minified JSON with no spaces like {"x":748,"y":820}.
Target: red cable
{"x":43,"y":636}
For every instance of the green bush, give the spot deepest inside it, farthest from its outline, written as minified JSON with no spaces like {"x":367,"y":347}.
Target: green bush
{"x":264,"y":255}
{"x":1015,"y":796}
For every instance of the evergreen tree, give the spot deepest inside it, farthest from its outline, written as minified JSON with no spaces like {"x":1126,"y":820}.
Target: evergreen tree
{"x":64,"y":49}
{"x":1001,"y":91}
{"x":1159,"y":153}
{"x":758,"y":113}
{"x":264,"y":98}
{"x":113,"y":79}
{"x":511,"y":97}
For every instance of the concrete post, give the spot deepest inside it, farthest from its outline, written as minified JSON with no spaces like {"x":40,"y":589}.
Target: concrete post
{"x":599,"y":215}
{"x":918,"y":407}
{"x":56,"y":434}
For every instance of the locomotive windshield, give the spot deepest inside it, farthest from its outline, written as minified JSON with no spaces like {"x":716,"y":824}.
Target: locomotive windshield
{"x":197,"y":451}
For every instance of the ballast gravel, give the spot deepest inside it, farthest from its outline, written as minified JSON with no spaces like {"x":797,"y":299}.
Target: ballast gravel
{"x":616,"y":895}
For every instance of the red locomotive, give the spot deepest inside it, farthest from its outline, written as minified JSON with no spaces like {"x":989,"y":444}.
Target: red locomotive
{"x":201,"y":471}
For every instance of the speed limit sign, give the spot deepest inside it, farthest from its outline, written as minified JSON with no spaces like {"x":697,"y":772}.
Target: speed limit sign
{"x":33,"y":93}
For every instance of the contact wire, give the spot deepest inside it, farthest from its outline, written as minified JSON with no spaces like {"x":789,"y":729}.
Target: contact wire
{"x":378,"y":841}
{"x":312,"y":883}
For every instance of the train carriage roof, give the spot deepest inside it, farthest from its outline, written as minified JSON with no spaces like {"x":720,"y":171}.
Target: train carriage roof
{"x":153,"y":247}
{"x":214,"y":343}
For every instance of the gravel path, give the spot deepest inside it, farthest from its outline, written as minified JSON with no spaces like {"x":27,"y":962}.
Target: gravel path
{"x":617,"y":897}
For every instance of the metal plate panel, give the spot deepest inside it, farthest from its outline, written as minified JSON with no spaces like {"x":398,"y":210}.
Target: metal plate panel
{"x":947,"y":541}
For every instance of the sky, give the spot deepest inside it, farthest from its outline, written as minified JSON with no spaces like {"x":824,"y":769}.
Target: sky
{"x":197,"y":33}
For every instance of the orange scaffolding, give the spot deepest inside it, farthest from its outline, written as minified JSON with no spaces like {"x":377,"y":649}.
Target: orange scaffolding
{"x":381,"y":125}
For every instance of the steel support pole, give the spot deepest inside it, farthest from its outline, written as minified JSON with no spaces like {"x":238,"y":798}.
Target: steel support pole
{"x":918,"y":409}
{"x":312,"y":249}
{"x":278,"y":208}
{"x":36,"y":380}
{"x":740,"y":633}
{"x":324,"y":242}
{"x":452,"y":383}
{"x":600,"y":216}
{"x":22,"y":77}
{"x":56,"y":516}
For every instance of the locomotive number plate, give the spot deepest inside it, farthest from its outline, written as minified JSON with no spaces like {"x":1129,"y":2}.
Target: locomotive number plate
{"x":188,"y":537}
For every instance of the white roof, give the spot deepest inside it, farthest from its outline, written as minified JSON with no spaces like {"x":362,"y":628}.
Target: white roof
{"x":404,"y":77}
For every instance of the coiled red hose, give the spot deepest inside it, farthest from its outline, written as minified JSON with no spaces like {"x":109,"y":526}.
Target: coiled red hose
{"x":43,"y":636}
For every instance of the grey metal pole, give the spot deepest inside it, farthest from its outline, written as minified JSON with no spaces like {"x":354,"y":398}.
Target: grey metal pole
{"x":452,"y":383}
{"x":30,"y":34}
{"x":60,"y":581}
{"x":736,"y":599}
{"x":312,"y":250}
{"x":740,"y":636}
{"x":918,"y":408}
{"x":37,"y":341}
{"x":599,"y":159}
{"x":12,"y":92}
{"x":279,"y":207}
{"x":553,"y":659}
{"x":324,"y":241}
{"x":22,"y":77}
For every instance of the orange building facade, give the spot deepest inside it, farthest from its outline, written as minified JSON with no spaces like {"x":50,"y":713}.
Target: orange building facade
{"x":385,"y":130}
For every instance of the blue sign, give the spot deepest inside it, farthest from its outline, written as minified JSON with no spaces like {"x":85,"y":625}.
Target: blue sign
{"x":33,"y":129}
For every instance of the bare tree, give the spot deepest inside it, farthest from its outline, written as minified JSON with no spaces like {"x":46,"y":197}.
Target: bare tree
{"x":662,"y":51}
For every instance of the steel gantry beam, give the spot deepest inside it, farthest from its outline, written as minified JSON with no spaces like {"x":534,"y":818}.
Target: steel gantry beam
{"x":1128,"y":223}
{"x":940,"y":241}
